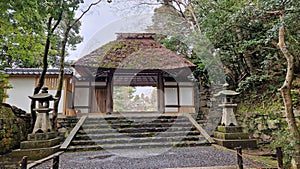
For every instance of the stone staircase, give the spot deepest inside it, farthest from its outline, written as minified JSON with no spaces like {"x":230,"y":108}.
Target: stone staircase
{"x":119,"y":132}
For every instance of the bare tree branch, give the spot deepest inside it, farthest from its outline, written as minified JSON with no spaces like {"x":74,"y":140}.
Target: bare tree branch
{"x":84,"y":12}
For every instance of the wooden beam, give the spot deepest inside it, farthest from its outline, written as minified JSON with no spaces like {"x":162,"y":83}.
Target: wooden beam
{"x":72,"y":134}
{"x":109,"y":99}
{"x":160,"y":93}
{"x":199,"y":128}
{"x":41,"y":161}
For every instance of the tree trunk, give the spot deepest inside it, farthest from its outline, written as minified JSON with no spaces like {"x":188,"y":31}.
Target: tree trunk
{"x":286,"y":89}
{"x":246,"y":57}
{"x":60,"y":79}
{"x":62,"y":63}
{"x":42,"y":76}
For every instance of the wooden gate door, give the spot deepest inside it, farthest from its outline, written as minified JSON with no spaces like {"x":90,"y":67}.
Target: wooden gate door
{"x":99,"y":100}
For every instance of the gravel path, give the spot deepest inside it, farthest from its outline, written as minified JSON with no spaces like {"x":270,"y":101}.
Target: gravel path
{"x":147,"y":159}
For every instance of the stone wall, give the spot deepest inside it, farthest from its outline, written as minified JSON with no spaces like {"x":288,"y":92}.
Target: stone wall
{"x":263,"y":126}
{"x":13,"y":129}
{"x":207,"y":102}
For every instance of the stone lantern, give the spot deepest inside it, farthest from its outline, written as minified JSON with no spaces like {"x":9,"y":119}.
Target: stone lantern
{"x":229,"y":134}
{"x":43,"y":141}
{"x":228,"y":116}
{"x":42,"y":123}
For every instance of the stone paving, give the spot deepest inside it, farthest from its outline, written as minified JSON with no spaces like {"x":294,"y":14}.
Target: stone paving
{"x":193,"y":157}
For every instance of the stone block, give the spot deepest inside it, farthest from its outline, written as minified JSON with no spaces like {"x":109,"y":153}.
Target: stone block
{"x":273,"y":124}
{"x":35,"y":154}
{"x":39,"y":143}
{"x":203,"y":103}
{"x":231,"y":136}
{"x":261,"y":127}
{"x":230,"y":129}
{"x":295,"y":162}
{"x":42,"y":136}
{"x":245,"y":143}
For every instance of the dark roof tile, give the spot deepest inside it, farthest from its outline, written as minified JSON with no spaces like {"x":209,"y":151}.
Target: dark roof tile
{"x":34,"y":71}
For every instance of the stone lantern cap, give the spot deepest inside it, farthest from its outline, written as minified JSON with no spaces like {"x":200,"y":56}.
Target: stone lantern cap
{"x":226,"y":93}
{"x":43,"y":96}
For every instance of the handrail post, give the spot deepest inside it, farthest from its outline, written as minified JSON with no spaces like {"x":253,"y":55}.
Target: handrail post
{"x":24,"y":162}
{"x":279,"y":156}
{"x":239,"y":157}
{"x":55,"y":163}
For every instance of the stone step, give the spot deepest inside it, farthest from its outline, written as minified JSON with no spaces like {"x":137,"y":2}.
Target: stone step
{"x":133,"y":140}
{"x":35,"y":153}
{"x":146,"y":134}
{"x":39,"y":143}
{"x":134,"y":130}
{"x":244,"y":143}
{"x":137,"y":120}
{"x":138,"y":145}
{"x":231,"y":136}
{"x":137,"y":125}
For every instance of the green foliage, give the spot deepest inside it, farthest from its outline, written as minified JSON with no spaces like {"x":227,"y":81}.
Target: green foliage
{"x":3,"y":86}
{"x":245,"y":34}
{"x":122,"y":96}
{"x":175,"y":44}
{"x":252,"y":82}
{"x":265,"y":105}
{"x":22,"y":36}
{"x":282,"y":138}
{"x":295,"y":98}
{"x":23,"y":31}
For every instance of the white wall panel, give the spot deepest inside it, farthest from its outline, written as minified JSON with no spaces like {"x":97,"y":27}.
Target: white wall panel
{"x":81,"y":97}
{"x":186,"y":96}
{"x":171,"y":96}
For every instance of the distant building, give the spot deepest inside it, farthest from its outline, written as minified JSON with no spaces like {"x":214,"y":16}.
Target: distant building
{"x":134,"y":59}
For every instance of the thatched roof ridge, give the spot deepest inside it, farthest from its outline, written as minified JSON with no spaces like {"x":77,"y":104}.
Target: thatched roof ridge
{"x":133,"y":51}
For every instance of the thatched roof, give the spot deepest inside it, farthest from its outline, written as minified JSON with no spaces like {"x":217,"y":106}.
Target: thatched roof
{"x":133,"y":51}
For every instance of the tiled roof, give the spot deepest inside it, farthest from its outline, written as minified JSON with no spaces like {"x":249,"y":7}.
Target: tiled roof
{"x":133,"y":51}
{"x":33,"y":71}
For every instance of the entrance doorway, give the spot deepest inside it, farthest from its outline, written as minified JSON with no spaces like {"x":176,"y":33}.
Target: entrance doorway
{"x":135,"y":99}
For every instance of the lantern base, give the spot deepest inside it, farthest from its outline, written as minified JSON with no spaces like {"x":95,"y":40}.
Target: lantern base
{"x":38,"y":146}
{"x":232,"y":137}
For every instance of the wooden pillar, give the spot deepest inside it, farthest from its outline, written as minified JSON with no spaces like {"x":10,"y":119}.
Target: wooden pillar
{"x":24,"y":162}
{"x":73,"y":92}
{"x":109,"y":99}
{"x":239,"y":157}
{"x":160,"y":93}
{"x":55,"y":162}
{"x":65,"y":90}
{"x":279,"y":155}
{"x":90,"y":97}
{"x":178,"y":98}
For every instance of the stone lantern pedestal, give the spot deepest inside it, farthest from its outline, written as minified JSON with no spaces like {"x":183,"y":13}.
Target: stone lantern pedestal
{"x":43,"y":141}
{"x":228,"y":133}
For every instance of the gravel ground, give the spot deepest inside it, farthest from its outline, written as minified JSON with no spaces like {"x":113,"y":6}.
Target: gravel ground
{"x":147,"y":159}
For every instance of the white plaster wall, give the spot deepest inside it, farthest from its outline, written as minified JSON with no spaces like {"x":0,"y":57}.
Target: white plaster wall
{"x":22,"y":88}
{"x":18,"y":95}
{"x":60,"y":106}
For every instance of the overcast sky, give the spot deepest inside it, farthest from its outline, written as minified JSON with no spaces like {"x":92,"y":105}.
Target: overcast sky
{"x":103,"y":21}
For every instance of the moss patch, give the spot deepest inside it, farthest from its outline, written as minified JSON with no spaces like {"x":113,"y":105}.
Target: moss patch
{"x":12,"y":130}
